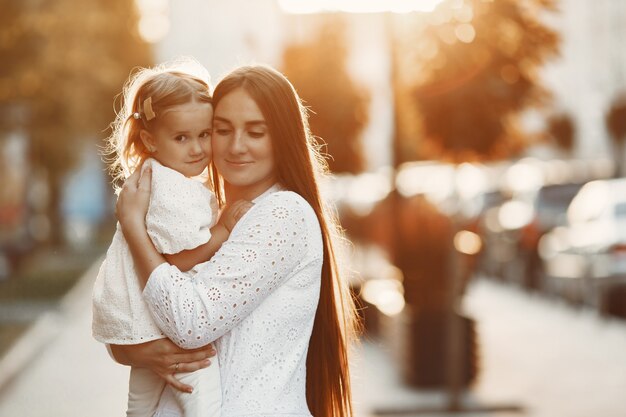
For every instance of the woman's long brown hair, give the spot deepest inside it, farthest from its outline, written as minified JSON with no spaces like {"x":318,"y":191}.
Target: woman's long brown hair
{"x":299,"y":166}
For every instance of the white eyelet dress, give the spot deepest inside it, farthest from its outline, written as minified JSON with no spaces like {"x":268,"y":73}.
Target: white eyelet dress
{"x":257,"y":299}
{"x":182,"y":210}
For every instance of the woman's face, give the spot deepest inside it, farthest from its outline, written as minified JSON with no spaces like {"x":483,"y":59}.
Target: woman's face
{"x":242,"y":146}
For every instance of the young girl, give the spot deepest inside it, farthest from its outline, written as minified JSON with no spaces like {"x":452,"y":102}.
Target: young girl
{"x":165,"y":124}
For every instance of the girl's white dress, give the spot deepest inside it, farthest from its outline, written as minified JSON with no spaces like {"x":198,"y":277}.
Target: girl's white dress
{"x":182,"y":210}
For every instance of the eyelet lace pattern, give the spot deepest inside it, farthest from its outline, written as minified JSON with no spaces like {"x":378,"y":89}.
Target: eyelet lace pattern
{"x":179,"y":217}
{"x":257,"y":298}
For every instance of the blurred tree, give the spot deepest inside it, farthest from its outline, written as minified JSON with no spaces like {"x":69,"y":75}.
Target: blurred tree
{"x":63,"y":64}
{"x":338,"y":105}
{"x":616,"y":126}
{"x":472,"y":70}
{"x":562,"y":131}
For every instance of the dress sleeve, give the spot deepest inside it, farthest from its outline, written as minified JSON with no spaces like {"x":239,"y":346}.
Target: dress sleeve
{"x":266,"y":247}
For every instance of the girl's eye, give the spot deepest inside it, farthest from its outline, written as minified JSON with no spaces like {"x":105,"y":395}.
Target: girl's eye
{"x":180,"y":138}
{"x":205,"y":135}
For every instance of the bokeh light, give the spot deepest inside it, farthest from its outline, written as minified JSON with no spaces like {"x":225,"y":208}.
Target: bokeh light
{"x":358,"y":6}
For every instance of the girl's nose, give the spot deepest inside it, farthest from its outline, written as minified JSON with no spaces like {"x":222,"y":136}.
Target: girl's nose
{"x":196,"y":147}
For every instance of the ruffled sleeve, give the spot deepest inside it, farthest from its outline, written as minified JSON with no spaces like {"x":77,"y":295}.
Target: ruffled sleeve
{"x":268,"y":245}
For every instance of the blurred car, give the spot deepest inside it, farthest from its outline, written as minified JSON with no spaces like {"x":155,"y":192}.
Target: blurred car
{"x":585,"y":260}
{"x":550,"y":205}
{"x":512,"y":230}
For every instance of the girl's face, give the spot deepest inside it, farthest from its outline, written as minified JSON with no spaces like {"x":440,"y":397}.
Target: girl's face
{"x":242,"y":146}
{"x":181,"y":138}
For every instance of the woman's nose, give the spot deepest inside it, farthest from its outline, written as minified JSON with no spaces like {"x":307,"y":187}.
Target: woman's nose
{"x":238,"y":145}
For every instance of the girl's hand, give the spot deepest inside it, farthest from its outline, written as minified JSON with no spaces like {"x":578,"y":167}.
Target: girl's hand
{"x":132,"y":203}
{"x":233,"y":212}
{"x":165,"y":359}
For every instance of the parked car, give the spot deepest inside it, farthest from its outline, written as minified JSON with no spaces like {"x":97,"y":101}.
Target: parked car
{"x":550,"y":205}
{"x":585,"y":260}
{"x":512,"y":230}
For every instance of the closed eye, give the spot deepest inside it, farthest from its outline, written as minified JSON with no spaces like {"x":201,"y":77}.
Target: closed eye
{"x":256,"y":134}
{"x":223,"y":131}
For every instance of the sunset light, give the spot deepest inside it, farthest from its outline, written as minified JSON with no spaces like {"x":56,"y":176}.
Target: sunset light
{"x":154,"y":23}
{"x":358,"y":6}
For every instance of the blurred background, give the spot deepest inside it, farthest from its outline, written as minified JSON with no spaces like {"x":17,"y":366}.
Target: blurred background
{"x":477,"y":152}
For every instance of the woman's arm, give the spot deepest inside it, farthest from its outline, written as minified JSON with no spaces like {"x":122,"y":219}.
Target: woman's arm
{"x":164,"y":358}
{"x":131,"y":208}
{"x":278,"y":237}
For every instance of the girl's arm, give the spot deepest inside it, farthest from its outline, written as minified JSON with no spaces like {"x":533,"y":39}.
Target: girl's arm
{"x":187,"y":259}
{"x":131,"y":208}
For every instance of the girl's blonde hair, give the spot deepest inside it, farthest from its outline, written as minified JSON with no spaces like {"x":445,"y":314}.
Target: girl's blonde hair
{"x":299,"y":166}
{"x":166,"y":85}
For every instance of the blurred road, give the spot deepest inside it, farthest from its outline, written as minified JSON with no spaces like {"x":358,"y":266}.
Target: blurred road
{"x":552,"y":360}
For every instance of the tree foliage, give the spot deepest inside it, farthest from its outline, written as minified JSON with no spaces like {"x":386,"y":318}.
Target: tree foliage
{"x":338,"y":105}
{"x":65,"y":63}
{"x":474,"y":72}
{"x":562,"y":131}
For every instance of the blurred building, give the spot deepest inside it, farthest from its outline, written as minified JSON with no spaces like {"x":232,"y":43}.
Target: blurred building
{"x":591,"y":70}
{"x":221,"y":35}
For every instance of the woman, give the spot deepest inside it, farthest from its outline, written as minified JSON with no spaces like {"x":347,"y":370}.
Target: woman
{"x":271,"y":296}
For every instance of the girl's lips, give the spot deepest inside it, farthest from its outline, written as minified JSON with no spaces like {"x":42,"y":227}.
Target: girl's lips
{"x":198,"y":160}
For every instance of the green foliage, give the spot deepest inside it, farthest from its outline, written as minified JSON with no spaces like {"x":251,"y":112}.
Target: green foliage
{"x":66,"y":62}
{"x":338,"y":106}
{"x":478,"y":73}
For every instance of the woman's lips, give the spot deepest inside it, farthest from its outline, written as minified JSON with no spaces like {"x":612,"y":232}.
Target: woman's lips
{"x":238,"y":163}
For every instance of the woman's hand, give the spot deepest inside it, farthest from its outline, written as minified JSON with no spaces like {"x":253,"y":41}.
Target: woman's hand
{"x":131,"y":209}
{"x":134,"y":199}
{"x":165,"y":359}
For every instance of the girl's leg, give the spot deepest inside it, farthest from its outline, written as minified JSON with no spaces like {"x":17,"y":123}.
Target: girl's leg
{"x":206,"y":398}
{"x":144,"y":390}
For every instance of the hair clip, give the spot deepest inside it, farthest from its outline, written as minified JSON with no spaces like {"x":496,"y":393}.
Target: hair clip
{"x":147,"y":109}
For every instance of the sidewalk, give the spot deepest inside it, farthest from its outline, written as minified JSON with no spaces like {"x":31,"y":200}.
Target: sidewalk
{"x":539,"y":354}
{"x":551,"y":360}
{"x":63,"y":371}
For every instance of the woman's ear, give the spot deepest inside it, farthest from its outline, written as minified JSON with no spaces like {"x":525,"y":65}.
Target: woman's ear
{"x":147,"y":140}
